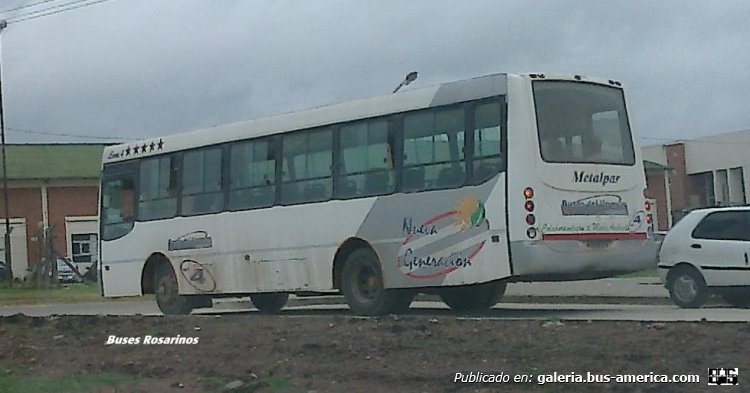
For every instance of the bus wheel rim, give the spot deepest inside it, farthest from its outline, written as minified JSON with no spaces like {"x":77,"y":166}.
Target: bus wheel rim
{"x":366,"y":283}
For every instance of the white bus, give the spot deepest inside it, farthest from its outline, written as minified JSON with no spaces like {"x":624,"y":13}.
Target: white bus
{"x":454,"y":190}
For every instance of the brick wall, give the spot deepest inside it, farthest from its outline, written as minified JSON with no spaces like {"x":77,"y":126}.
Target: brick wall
{"x":655,"y":190}
{"x":69,"y":201}
{"x":61,"y":201}
{"x":26,"y":203}
{"x":678,"y":180}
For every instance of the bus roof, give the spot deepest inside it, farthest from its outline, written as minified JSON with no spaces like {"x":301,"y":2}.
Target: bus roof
{"x":452,"y":92}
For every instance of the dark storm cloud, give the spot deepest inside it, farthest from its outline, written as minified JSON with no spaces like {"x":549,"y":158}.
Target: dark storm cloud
{"x":134,"y":69}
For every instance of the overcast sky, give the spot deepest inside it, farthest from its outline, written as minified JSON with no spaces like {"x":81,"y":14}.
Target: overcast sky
{"x":133,"y":69}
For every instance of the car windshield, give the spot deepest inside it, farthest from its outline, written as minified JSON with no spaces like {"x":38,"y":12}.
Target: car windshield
{"x":582,"y":123}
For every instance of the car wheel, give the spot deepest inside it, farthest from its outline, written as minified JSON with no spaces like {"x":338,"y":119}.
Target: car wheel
{"x":739,"y":297}
{"x":687,"y":287}
{"x":269,"y":303}
{"x":168,"y":298}
{"x":473,"y":298}
{"x":362,"y":285}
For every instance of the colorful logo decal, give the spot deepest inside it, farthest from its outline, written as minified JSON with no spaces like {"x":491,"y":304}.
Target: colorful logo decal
{"x":444,"y":243}
{"x":197,"y":275}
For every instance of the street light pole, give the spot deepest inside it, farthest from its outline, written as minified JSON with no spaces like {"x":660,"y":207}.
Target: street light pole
{"x":411,"y":77}
{"x":8,"y":262}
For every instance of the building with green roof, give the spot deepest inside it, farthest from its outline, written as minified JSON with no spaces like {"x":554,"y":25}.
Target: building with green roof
{"x":53,"y":186}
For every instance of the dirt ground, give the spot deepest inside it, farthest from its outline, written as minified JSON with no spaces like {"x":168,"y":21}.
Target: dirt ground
{"x":341,"y":353}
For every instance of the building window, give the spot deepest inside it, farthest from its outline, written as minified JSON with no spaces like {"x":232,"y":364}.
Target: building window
{"x":201,"y":182}
{"x":433,"y":150}
{"x":84,"y":247}
{"x":157,"y":192}
{"x":366,"y":160}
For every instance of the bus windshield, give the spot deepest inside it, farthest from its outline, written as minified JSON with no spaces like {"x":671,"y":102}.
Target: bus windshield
{"x":582,"y":123}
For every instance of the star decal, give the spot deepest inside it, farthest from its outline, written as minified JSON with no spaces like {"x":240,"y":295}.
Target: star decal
{"x":127,"y":151}
{"x":143,"y":148}
{"x":135,"y":150}
{"x":152,"y":146}
{"x":160,"y":144}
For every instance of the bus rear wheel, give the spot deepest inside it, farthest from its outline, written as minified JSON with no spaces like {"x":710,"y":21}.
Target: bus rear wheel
{"x":168,"y":298}
{"x":269,"y":303}
{"x":362,"y":285}
{"x":473,"y":298}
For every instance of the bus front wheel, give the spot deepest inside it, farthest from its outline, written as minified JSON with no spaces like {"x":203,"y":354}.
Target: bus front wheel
{"x":473,"y":298}
{"x":362,"y":285}
{"x":269,"y":303}
{"x":168,"y":298}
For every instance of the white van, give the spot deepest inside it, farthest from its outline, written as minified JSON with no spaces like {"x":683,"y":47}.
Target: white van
{"x":708,"y":251}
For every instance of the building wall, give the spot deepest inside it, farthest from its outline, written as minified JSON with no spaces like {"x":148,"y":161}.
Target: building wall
{"x":655,"y":153}
{"x":64,"y":199}
{"x":655,"y":190}
{"x":718,"y":152}
{"x":26,"y":203}
{"x":66,"y":202}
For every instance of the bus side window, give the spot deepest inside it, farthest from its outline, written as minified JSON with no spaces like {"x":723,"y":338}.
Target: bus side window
{"x":488,"y":139}
{"x":307,"y":166}
{"x":366,"y":165}
{"x":201,"y":182}
{"x":252,"y":174}
{"x":157,"y":198}
{"x":434,"y":141}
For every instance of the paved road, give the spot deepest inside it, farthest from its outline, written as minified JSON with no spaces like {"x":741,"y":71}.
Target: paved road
{"x":544,"y":311}
{"x":649,"y":287}
{"x":619,"y":288}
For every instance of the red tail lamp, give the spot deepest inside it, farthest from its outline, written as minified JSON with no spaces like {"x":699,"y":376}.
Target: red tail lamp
{"x":529,"y":206}
{"x":530,"y":219}
{"x":528,"y":192}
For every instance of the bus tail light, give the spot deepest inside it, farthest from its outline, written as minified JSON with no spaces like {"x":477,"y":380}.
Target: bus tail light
{"x":647,"y":206}
{"x":649,"y":219}
{"x":528,"y":193}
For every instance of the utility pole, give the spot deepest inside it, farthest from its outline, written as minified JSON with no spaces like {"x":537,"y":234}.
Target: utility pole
{"x":8,"y":261}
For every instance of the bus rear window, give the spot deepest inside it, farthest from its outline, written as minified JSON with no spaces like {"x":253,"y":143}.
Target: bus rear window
{"x":582,"y":123}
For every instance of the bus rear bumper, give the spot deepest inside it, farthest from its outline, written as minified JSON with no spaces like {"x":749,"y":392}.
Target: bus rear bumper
{"x":569,"y":260}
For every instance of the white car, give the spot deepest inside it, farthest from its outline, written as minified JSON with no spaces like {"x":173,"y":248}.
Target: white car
{"x":708,"y":251}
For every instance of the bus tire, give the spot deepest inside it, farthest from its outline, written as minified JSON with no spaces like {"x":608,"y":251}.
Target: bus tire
{"x":473,"y":298}
{"x":687,"y":287}
{"x":168,"y":298}
{"x":269,"y":303}
{"x":737,"y":297}
{"x":362,"y":285}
